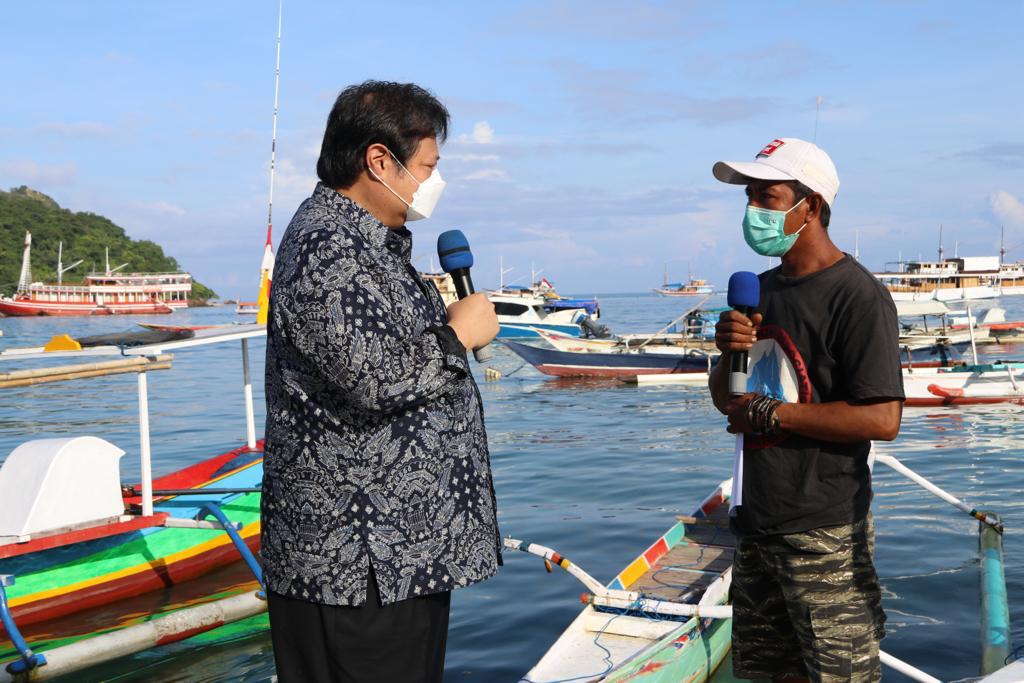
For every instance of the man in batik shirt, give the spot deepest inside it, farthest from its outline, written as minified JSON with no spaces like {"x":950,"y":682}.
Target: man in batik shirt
{"x":378,"y":499}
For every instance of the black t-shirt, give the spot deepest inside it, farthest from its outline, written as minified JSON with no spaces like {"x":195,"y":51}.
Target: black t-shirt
{"x":828,"y":336}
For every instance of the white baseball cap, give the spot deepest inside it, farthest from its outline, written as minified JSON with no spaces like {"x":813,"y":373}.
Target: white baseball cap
{"x":785,"y":159}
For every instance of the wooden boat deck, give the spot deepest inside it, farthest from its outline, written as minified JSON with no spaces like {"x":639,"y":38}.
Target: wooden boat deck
{"x":682,"y":574}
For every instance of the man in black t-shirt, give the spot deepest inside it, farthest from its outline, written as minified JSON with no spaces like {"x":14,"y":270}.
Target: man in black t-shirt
{"x":824,"y":380}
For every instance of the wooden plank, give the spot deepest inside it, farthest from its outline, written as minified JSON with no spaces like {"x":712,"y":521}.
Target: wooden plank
{"x":110,"y":528}
{"x":701,"y":555}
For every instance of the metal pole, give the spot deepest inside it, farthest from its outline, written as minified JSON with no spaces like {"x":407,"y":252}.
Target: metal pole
{"x":970,"y":330}
{"x":250,"y":418}
{"x":144,"y":452}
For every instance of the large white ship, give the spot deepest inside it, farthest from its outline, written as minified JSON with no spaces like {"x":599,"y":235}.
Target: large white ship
{"x":955,"y":279}
{"x":106,"y":293}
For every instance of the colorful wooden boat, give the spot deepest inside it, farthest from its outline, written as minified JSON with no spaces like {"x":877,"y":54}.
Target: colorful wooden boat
{"x":628,"y":631}
{"x":63,"y":573}
{"x":73,"y":539}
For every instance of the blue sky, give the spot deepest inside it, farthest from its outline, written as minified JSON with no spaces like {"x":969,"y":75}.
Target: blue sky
{"x":583,"y":132}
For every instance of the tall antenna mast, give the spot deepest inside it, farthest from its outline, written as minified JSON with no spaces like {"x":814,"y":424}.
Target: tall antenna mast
{"x":267,"y":266}
{"x":1002,"y":244}
{"x":502,"y":271}
{"x":817,"y":111}
{"x":273,"y":135}
{"x":60,"y":264}
{"x":941,"y":252}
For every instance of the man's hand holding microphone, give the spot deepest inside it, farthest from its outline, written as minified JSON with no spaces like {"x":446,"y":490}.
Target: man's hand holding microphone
{"x":473,"y":320}
{"x":472,"y":316}
{"x":735,"y":334}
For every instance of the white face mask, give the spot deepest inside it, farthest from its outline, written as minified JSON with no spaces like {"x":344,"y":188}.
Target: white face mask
{"x":426,"y":196}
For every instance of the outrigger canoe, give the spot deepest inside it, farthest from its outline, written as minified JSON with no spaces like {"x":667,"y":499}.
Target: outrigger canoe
{"x":74,"y":540}
{"x":661,"y":619}
{"x":665,"y":617}
{"x":965,"y":385}
{"x":62,"y":573}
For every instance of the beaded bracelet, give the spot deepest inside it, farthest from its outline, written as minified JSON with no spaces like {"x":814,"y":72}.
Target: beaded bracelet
{"x":761,"y":414}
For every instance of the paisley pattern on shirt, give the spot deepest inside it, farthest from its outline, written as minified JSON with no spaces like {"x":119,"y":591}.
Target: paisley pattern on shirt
{"x":376,"y":454}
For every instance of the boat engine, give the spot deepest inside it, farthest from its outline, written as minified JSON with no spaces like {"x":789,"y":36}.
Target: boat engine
{"x":594,"y":329}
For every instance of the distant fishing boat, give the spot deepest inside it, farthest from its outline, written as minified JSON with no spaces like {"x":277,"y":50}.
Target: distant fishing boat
{"x":542,"y":288}
{"x":611,"y":364}
{"x":106,"y":293}
{"x":522,"y":316}
{"x":692,"y":287}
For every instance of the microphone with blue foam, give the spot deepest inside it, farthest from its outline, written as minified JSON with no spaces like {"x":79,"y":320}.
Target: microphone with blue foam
{"x":456,"y":260}
{"x":744,"y":296}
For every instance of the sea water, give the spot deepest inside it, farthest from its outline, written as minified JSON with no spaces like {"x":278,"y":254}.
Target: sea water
{"x":594,"y":469}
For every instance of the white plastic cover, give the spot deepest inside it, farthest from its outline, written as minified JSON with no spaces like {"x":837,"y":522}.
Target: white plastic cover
{"x":50,"y":484}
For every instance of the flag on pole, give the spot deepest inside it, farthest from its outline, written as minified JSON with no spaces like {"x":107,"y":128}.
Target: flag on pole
{"x":266,"y":273}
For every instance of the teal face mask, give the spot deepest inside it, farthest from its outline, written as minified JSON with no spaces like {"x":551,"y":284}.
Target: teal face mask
{"x":765,"y":230}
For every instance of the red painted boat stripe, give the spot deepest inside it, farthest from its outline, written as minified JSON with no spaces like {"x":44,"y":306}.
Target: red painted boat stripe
{"x":81,"y":535}
{"x":175,"y":637}
{"x":655,"y":552}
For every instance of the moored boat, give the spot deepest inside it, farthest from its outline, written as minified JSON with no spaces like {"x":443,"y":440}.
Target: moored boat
{"x":107,"y":293}
{"x":661,"y":618}
{"x":622,"y":364}
{"x":73,"y":538}
{"x":522,"y":316}
{"x":965,"y":385}
{"x":693,"y":287}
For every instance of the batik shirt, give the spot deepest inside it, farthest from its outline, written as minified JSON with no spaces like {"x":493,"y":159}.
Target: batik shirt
{"x":376,"y":456}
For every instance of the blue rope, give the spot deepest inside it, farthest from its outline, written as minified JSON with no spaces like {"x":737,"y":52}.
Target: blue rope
{"x":607,"y":658}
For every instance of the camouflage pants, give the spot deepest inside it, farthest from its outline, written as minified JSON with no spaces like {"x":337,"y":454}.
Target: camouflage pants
{"x":808,"y":604}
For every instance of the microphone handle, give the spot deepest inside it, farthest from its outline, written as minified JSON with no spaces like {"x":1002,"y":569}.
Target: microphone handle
{"x":738,"y":364}
{"x":463,"y":288}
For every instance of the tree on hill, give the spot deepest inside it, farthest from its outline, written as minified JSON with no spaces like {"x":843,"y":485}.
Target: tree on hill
{"x":85,"y":236}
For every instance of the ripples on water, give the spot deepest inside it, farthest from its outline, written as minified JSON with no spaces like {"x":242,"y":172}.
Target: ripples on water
{"x":596,"y":470}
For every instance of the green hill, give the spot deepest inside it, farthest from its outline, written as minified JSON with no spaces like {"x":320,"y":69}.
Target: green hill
{"x":85,"y":236}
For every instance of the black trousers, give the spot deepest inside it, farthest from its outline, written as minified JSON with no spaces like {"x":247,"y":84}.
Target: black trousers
{"x":403,"y":642}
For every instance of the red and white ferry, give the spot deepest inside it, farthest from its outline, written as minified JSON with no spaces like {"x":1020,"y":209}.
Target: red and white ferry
{"x":108,"y":293}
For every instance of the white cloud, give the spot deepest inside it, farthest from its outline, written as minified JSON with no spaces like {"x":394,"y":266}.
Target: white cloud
{"x":486,"y":174}
{"x":1007,"y":207}
{"x":292,"y":185}
{"x":483,"y":134}
{"x":470,"y":157}
{"x":26,"y":172}
{"x":75,"y":129}
{"x":167,"y":207}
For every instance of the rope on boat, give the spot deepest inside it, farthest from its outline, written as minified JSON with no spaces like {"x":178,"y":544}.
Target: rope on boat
{"x":982,"y":517}
{"x":619,"y":599}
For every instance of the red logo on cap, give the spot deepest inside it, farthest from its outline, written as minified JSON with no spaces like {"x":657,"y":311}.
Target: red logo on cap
{"x":770,"y":148}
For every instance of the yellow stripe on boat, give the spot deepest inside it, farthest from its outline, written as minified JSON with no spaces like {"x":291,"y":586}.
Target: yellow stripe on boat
{"x":633,"y":571}
{"x":246,"y":532}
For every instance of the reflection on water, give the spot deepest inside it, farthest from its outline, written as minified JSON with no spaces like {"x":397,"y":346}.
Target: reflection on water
{"x":594,"y":469}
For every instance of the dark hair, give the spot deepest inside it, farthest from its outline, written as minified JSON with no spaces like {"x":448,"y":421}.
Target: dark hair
{"x":801,"y":191}
{"x":396,"y":115}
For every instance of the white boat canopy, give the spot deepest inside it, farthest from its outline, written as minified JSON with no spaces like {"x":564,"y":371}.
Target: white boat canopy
{"x":914,"y":308}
